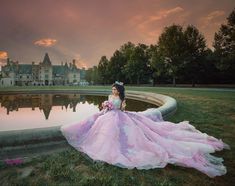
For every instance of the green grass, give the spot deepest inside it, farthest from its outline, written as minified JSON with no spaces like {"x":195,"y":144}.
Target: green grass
{"x":209,"y":110}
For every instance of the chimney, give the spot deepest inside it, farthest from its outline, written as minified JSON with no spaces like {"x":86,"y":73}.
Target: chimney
{"x":17,"y":65}
{"x":8,"y":61}
{"x":74,"y":62}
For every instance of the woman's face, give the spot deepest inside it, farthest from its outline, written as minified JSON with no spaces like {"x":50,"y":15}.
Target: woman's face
{"x":115,"y":91}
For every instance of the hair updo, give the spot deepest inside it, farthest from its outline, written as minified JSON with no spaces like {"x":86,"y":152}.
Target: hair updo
{"x":120,"y":88}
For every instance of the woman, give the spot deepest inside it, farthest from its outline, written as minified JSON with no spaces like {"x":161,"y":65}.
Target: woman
{"x":143,"y":140}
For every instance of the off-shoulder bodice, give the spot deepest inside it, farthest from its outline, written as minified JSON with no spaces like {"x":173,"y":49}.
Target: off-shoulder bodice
{"x":116,"y":102}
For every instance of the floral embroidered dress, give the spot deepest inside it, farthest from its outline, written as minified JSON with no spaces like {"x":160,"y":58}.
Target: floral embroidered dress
{"x":143,"y":140}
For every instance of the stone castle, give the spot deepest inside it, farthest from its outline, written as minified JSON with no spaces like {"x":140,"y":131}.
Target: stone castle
{"x":42,"y":74}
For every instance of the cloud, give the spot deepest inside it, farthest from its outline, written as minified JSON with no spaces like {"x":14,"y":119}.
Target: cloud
{"x":141,"y":21}
{"x":212,"y":19}
{"x":213,"y":15}
{"x":68,"y":55}
{"x":165,"y":13}
{"x":3,"y":57}
{"x":47,"y":42}
{"x":80,"y":63}
{"x":210,"y":23}
{"x":150,"y":27}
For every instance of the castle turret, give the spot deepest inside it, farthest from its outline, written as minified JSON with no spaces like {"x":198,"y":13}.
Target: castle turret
{"x":74,"y":62}
{"x":46,"y":60}
{"x":8,"y":61}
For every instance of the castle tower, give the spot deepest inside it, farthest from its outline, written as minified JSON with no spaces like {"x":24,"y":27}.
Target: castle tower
{"x":46,"y":60}
{"x":46,"y":77}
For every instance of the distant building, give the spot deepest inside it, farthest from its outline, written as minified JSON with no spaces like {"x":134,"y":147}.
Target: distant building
{"x":43,"y":73}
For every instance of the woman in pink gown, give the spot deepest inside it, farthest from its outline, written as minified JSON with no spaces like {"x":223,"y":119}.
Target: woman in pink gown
{"x":143,"y":140}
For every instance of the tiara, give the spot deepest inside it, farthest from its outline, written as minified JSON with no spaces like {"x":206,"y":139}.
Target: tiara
{"x":119,"y":83}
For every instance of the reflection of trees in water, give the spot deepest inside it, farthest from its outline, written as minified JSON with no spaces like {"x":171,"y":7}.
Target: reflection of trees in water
{"x":45,"y":102}
{"x":132,"y":105}
{"x":96,"y":100}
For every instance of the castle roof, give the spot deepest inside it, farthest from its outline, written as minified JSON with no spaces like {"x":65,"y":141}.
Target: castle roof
{"x":74,"y":69}
{"x":46,"y":60}
{"x":25,"y":69}
{"x":57,"y":69}
{"x":82,"y":73}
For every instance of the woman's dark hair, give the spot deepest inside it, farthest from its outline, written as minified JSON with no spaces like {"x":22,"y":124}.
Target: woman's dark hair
{"x":120,"y":89}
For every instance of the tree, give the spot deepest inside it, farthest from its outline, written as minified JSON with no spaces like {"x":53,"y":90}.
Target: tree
{"x":95,"y":75}
{"x":92,"y":75}
{"x":224,"y":44}
{"x":88,"y":75}
{"x":157,"y":65}
{"x":172,"y":47}
{"x":127,"y":50}
{"x":137,"y":68}
{"x":116,"y":67}
{"x":194,"y":54}
{"x":210,"y":74}
{"x":103,"y":69}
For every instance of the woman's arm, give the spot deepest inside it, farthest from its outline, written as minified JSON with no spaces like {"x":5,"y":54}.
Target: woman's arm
{"x":123,"y":105}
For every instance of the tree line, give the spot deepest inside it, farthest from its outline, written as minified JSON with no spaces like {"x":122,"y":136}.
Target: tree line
{"x":180,"y":56}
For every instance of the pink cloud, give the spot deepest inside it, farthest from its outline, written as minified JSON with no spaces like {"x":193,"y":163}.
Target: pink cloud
{"x":47,"y":42}
{"x":3,"y":57}
{"x":143,"y":21}
{"x":150,"y":27}
{"x":81,"y":64}
{"x":210,"y":23}
{"x":212,"y":19}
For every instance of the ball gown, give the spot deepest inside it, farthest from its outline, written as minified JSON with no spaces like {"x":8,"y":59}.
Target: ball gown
{"x":143,"y":140}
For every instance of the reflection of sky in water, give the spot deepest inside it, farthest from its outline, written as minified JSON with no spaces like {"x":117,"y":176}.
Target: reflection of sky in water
{"x":25,"y":111}
{"x":27,"y":118}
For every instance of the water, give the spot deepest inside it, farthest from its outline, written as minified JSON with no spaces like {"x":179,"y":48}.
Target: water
{"x":27,"y":111}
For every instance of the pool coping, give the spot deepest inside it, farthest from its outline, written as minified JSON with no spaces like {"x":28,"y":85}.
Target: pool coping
{"x":29,"y":137}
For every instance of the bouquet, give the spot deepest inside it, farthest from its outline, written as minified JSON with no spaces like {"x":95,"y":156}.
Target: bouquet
{"x":107,"y":105}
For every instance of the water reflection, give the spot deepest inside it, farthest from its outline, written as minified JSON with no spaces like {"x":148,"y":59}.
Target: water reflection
{"x":44,"y":102}
{"x":22,"y":111}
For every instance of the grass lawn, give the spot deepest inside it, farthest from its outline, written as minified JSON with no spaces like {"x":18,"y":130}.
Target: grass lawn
{"x":210,"y":110}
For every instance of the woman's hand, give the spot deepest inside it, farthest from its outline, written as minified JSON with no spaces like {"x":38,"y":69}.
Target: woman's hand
{"x":123,"y":106}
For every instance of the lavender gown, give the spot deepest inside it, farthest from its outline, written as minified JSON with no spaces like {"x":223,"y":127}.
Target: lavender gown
{"x":144,"y":140}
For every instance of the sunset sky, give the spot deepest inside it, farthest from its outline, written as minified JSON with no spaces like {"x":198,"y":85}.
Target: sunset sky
{"x":85,"y":30}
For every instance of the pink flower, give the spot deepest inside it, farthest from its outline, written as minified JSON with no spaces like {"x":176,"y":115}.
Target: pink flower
{"x":16,"y":161}
{"x":107,"y":105}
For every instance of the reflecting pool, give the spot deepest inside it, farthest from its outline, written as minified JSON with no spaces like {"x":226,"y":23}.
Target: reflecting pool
{"x":27,"y":111}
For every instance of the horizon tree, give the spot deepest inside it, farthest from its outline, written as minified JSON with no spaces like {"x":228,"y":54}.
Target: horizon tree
{"x":224,"y":44}
{"x":172,"y":47}
{"x":194,"y":54}
{"x":103,"y":70}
